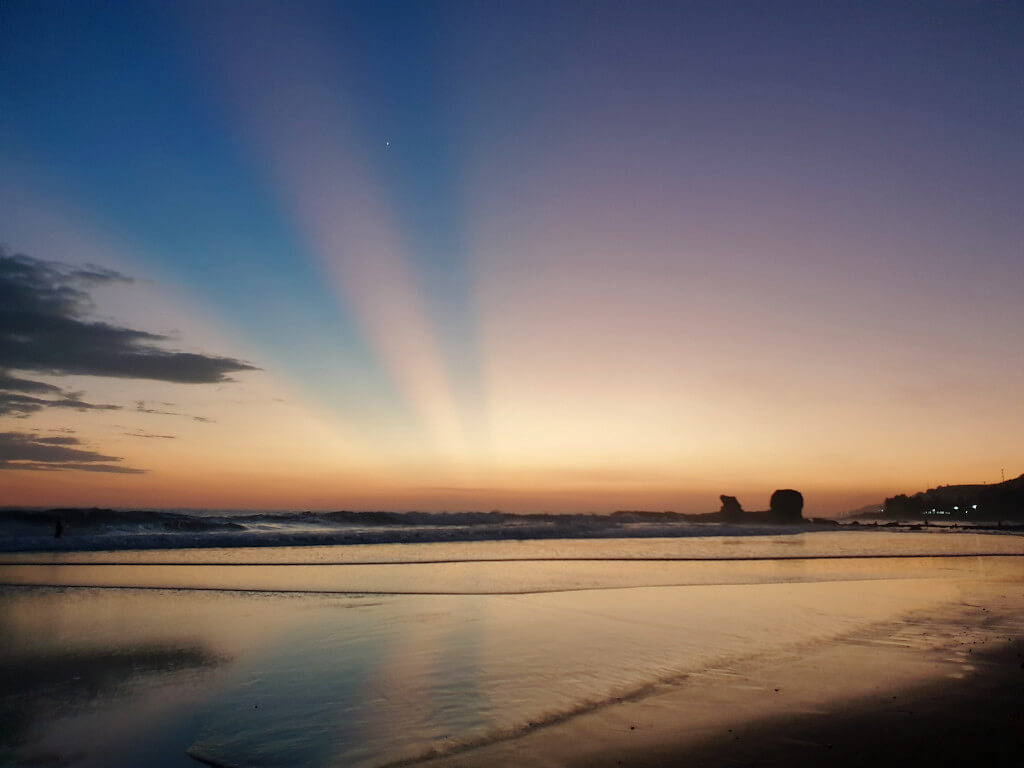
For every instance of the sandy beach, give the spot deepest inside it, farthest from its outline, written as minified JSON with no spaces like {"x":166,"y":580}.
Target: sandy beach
{"x":546,"y":653}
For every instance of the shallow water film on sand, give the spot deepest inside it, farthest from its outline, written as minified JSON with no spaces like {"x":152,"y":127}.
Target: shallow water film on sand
{"x":401,"y":654}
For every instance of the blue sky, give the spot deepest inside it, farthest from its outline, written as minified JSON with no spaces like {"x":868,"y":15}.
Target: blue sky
{"x":481,"y":230}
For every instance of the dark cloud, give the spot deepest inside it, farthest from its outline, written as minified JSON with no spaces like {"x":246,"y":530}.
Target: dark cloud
{"x":40,"y":467}
{"x":19,"y":406}
{"x":22,"y":450}
{"x":20,"y":397}
{"x":44,"y":327}
{"x":15,"y":384}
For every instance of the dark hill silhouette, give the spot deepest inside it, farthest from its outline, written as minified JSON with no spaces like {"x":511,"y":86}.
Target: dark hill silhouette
{"x":998,"y":501}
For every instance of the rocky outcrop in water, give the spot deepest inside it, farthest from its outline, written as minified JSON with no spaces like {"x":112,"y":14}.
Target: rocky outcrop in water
{"x":731,"y":509}
{"x":787,"y":506}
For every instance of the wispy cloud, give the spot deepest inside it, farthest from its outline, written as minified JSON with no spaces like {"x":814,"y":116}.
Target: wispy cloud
{"x":13,"y":403}
{"x":142,"y":407}
{"x":25,"y":451}
{"x":50,"y":467}
{"x":150,"y":435}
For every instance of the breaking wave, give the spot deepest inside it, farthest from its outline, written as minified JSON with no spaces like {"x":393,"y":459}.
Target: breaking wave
{"x":94,"y":529}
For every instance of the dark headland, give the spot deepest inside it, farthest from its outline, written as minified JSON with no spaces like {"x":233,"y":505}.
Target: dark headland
{"x":968,"y":503}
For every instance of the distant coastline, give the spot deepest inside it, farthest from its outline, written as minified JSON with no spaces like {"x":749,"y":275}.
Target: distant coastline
{"x":988,"y":503}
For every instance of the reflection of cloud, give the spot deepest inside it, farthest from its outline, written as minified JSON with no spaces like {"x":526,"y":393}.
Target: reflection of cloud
{"x":21,"y":450}
{"x":44,"y":327}
{"x":35,"y":688}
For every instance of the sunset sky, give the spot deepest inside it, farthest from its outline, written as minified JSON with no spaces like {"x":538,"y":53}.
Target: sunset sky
{"x":529,"y":256}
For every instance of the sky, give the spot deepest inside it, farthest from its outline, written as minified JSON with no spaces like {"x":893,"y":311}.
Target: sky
{"x":565,"y":256}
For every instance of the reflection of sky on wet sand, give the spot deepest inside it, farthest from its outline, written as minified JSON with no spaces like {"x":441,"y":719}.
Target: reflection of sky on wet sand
{"x":67,"y":690}
{"x":147,"y":676}
{"x":845,"y":543}
{"x":486,"y":578}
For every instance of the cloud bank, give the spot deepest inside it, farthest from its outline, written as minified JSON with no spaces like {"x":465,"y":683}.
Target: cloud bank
{"x":44,"y":327}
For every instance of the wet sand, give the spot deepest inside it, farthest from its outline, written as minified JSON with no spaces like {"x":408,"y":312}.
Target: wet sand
{"x":934,"y":688}
{"x":975,"y":720}
{"x":549,"y":662}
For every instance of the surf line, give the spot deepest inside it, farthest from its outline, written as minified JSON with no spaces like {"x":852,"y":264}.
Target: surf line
{"x":455,"y":561}
{"x":328,"y":592}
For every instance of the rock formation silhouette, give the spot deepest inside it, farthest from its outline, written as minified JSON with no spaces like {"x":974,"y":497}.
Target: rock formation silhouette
{"x":787,"y":506}
{"x":731,"y":509}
